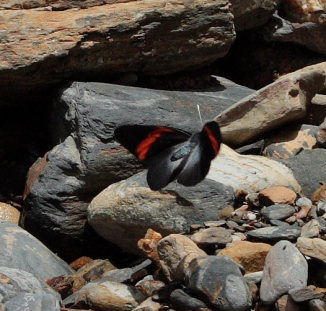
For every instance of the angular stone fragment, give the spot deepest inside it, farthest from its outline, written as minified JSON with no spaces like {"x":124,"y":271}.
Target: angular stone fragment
{"x":248,"y":254}
{"x":183,"y":300}
{"x":304,"y":294}
{"x":285,"y":269}
{"x":175,"y":252}
{"x":315,"y":248}
{"x":311,"y":229}
{"x":8,"y":213}
{"x":219,"y":280}
{"x":283,"y":101}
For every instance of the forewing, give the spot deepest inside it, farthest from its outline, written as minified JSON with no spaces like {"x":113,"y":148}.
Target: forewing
{"x":146,"y":142}
{"x":196,"y":165}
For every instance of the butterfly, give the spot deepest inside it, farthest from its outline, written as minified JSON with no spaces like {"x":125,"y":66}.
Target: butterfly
{"x":171,"y":153}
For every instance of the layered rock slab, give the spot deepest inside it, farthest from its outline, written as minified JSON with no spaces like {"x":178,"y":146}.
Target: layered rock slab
{"x":50,"y":46}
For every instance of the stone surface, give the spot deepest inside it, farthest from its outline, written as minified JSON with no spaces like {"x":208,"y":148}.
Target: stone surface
{"x":176,"y":252}
{"x":21,"y":291}
{"x":148,"y":245}
{"x":317,"y":110}
{"x":320,"y":193}
{"x":311,"y":229}
{"x":149,"y":305}
{"x":306,"y":174}
{"x":281,"y":102}
{"x":88,"y":159}
{"x":254,"y":277}
{"x":248,"y":254}
{"x":307,"y":34}
{"x":108,"y":296}
{"x":274,"y":234}
{"x":8,"y":213}
{"x":104,"y":41}
{"x":304,"y":294}
{"x":289,"y":141}
{"x":250,"y":173}
{"x":180,"y":299}
{"x":250,"y":14}
{"x":285,"y":269}
{"x":124,"y":211}
{"x":315,"y":248}
{"x":20,"y":250}
{"x":219,"y":280}
{"x":212,"y":236}
{"x":277,"y":195}
{"x":285,"y":303}
{"x":317,"y":305}
{"x":278,"y":211}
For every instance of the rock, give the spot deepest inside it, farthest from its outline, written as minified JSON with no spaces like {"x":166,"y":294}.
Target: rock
{"x":315,"y":248}
{"x":8,"y":213}
{"x":219,"y":281}
{"x":321,"y":207}
{"x":106,"y":42}
{"x":248,"y":254}
{"x":317,"y":305}
{"x":285,"y":269}
{"x":285,"y":303}
{"x":183,"y":301}
{"x":278,"y":211}
{"x":149,"y":305}
{"x":274,"y":234}
{"x":289,"y":141}
{"x":254,"y":148}
{"x":80,"y":262}
{"x":308,"y":175}
{"x":21,"y":291}
{"x":307,"y":34}
{"x":148,"y":245}
{"x":20,"y":250}
{"x":124,"y":211}
{"x":149,"y":286}
{"x":277,"y":194}
{"x":249,"y":14}
{"x":254,"y":277}
{"x":321,"y":133}
{"x":311,"y":229}
{"x":281,"y":102}
{"x":320,"y":193}
{"x":305,"y":10}
{"x":212,"y":236}
{"x":107,"y":296}
{"x":88,"y":159}
{"x":249,"y":173}
{"x":303,"y":201}
{"x":176,"y":252}
{"x":304,"y":294}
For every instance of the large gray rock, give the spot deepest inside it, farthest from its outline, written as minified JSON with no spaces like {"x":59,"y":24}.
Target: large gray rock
{"x":21,"y":291}
{"x":124,"y":211}
{"x":87,"y":160}
{"x":308,"y":167}
{"x":285,"y":269}
{"x":20,"y":250}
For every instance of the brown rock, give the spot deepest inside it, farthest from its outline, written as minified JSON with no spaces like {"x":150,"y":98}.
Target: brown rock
{"x":310,"y":229}
{"x":277,"y":195}
{"x":175,"y":252}
{"x":315,"y":248}
{"x":80,"y":262}
{"x":148,"y":245}
{"x":320,"y":193}
{"x":52,"y":45}
{"x":281,"y":102}
{"x":250,"y":255}
{"x":149,"y":305}
{"x":291,"y":140}
{"x":285,"y":303}
{"x":8,"y":213}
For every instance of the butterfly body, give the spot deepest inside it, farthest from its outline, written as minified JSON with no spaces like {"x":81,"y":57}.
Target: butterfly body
{"x":172,"y":153}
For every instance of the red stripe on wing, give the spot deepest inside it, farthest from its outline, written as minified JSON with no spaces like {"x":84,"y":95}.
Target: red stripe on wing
{"x":213,"y":139}
{"x":145,"y":145}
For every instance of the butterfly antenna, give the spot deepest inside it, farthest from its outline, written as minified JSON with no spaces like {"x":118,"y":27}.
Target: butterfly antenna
{"x":201,"y":120}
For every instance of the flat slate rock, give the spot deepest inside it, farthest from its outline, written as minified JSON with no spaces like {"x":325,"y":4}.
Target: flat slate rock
{"x":20,"y":250}
{"x":274,"y":234}
{"x":278,"y":211}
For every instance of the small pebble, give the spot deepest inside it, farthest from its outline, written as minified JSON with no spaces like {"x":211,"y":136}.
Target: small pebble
{"x":303,"y":202}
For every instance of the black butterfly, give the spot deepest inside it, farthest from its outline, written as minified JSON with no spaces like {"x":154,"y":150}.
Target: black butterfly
{"x":171,"y":153}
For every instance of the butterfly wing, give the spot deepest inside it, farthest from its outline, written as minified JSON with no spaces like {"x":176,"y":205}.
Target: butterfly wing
{"x":196,"y":165}
{"x":146,"y":142}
